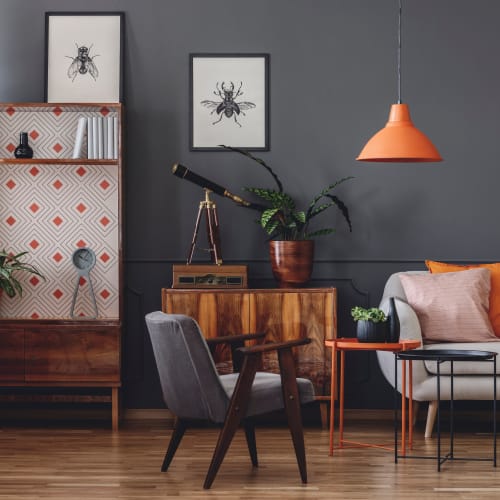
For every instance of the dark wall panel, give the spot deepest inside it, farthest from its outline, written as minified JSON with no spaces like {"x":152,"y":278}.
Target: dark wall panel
{"x":332,"y":80}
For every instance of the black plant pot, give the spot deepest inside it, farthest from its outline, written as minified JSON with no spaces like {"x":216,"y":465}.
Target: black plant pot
{"x":368,"y":331}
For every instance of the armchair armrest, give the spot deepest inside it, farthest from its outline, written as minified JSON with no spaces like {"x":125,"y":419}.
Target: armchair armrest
{"x":235,"y":343}
{"x":273,"y":346}
{"x":229,"y":339}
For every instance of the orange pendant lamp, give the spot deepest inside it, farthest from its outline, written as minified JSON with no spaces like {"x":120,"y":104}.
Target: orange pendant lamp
{"x":399,"y":141}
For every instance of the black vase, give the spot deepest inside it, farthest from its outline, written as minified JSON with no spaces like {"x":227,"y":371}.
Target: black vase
{"x":23,"y":150}
{"x":368,"y":331}
{"x":393,"y":320}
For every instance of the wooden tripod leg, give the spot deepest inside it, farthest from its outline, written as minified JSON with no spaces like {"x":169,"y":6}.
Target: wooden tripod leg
{"x":195,"y":235}
{"x":213,"y":235}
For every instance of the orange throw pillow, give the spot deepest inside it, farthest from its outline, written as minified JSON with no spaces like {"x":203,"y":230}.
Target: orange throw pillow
{"x":494,"y":311}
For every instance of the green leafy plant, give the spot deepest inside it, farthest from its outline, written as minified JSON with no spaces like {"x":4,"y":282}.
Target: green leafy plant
{"x":11,"y":265}
{"x":280,"y":217}
{"x":373,"y":314}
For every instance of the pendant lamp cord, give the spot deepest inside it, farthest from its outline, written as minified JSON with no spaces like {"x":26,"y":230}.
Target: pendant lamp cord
{"x":399,"y":53}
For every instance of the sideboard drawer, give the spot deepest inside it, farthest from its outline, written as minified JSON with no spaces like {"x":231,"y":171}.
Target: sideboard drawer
{"x":83,"y":355}
{"x":11,"y":355}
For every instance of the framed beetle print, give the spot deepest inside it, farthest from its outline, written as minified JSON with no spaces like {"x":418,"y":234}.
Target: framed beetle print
{"x":229,"y":101}
{"x":83,"y":56}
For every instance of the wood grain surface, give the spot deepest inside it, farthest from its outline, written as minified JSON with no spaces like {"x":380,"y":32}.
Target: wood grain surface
{"x":86,"y":462}
{"x":284,"y":314}
{"x":12,"y":355}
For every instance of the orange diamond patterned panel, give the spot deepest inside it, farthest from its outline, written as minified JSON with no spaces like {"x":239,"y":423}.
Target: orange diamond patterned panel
{"x":50,"y":210}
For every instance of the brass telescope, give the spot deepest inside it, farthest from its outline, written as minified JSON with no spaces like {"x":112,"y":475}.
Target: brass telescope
{"x":184,"y":173}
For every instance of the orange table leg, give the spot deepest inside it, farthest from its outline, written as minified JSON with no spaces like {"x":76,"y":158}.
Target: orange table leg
{"x":332,"y":397}
{"x":341,"y":402}
{"x":403,"y":407}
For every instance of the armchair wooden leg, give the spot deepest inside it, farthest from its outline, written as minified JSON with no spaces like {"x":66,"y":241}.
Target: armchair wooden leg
{"x":292,"y":407}
{"x":235,"y":413}
{"x":179,"y":430}
{"x":252,"y":447}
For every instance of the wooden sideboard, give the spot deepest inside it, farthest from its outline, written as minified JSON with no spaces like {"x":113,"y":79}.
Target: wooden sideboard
{"x":62,"y":353}
{"x":56,"y":204}
{"x":284,"y":314}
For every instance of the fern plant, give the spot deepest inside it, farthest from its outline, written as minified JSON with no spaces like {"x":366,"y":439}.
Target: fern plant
{"x":11,"y":265}
{"x":282,"y":219}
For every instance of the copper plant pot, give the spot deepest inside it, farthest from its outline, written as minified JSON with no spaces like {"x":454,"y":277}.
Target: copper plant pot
{"x":292,"y":262}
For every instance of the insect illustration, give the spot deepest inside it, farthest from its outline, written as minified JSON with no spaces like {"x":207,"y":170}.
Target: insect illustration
{"x":83,"y":63}
{"x":228,"y":107}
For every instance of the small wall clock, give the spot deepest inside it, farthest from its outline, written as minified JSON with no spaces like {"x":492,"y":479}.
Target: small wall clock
{"x":84,"y":260}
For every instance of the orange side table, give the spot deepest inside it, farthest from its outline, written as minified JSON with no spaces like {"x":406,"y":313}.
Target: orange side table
{"x":350,"y":344}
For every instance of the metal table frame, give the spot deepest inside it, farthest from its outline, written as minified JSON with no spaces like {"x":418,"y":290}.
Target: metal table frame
{"x":442,"y":356}
{"x":341,"y":345}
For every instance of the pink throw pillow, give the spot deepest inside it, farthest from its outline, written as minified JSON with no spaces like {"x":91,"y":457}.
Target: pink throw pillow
{"x":451,"y":307}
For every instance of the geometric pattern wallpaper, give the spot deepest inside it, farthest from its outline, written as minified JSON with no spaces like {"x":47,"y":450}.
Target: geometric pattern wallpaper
{"x":51,"y":210}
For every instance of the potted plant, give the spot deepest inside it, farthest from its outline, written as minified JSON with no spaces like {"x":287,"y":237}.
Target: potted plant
{"x":288,"y":227}
{"x":10,"y":266}
{"x":372,"y":325}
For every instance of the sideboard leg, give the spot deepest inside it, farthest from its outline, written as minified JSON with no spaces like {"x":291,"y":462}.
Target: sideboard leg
{"x":114,"y":408}
{"x":323,"y":408}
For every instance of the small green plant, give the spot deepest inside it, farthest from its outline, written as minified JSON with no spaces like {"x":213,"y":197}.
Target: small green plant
{"x":281,"y":219}
{"x":373,"y":314}
{"x":10,"y":265}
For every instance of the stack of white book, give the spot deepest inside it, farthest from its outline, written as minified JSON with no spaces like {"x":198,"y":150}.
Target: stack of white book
{"x":102,"y":137}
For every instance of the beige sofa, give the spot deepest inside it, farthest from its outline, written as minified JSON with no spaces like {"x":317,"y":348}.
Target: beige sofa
{"x":472,"y":380}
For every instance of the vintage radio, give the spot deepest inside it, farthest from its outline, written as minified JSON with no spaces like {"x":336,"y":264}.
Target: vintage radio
{"x":209,"y":276}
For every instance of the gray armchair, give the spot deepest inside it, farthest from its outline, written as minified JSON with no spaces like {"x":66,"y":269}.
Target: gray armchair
{"x":193,"y":390}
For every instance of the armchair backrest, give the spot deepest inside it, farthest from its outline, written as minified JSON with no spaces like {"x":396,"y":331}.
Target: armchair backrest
{"x":189,"y":381}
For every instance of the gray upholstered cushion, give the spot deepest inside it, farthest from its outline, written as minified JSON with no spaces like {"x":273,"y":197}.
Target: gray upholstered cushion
{"x":266,"y":391}
{"x":189,"y":380}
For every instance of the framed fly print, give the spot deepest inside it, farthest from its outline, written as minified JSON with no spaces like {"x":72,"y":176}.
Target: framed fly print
{"x":83,"y":56}
{"x":229,"y":101}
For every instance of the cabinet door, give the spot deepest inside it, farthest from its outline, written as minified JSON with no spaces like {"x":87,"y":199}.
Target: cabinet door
{"x":217,"y":313}
{"x":291,"y":315}
{"x":11,"y":355}
{"x":73,"y":355}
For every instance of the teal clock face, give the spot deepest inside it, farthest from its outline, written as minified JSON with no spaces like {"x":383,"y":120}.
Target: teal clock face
{"x":84,"y":259}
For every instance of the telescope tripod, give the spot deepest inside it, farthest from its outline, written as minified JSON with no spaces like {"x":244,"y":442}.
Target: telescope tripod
{"x":209,"y":209}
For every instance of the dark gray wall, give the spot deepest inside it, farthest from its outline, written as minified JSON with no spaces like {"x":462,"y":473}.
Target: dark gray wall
{"x":333,"y":78}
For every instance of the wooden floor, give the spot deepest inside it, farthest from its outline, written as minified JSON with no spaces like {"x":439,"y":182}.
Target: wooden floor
{"x":86,"y":461}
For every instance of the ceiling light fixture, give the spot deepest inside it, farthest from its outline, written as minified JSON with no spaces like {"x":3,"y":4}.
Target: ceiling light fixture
{"x":399,"y":140}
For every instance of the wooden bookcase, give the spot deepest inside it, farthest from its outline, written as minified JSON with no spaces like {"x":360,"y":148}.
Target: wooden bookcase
{"x":51,"y":205}
{"x":284,"y":314}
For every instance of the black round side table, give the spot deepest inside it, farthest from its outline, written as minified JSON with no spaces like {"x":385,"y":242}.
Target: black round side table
{"x":441,"y":356}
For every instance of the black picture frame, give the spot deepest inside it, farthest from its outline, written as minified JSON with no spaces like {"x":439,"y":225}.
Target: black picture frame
{"x":229,"y":101}
{"x":73,"y":42}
